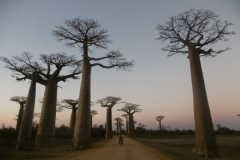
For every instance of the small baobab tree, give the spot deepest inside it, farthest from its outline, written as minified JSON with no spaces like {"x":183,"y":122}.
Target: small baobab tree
{"x":84,"y":33}
{"x":109,"y":102}
{"x":130,"y":109}
{"x":118,"y":125}
{"x":24,"y":66}
{"x":21,"y":101}
{"x":126,"y":116}
{"x":70,"y":104}
{"x":190,"y":33}
{"x":92,"y":113}
{"x":159,"y":119}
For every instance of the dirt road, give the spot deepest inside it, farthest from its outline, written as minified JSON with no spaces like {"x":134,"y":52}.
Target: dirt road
{"x":111,"y":150}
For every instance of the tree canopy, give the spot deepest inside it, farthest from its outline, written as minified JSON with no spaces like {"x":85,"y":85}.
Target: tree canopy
{"x":198,"y":27}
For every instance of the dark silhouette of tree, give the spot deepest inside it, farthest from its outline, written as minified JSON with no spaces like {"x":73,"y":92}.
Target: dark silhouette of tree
{"x":140,"y":125}
{"x":238,"y":115}
{"x":92,"y":113}
{"x":159,"y":119}
{"x":109,"y":102}
{"x":24,"y":67}
{"x":70,"y":104}
{"x":130,"y":109}
{"x":127,"y":126}
{"x":84,"y":33}
{"x":21,"y":101}
{"x":118,"y":125}
{"x":190,"y":33}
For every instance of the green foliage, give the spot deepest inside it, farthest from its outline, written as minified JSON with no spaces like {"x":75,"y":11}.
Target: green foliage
{"x":63,"y":132}
{"x":222,"y":130}
{"x":7,"y":134}
{"x":98,"y":131}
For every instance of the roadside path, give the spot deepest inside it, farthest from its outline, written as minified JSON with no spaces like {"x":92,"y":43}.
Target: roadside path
{"x":111,"y":150}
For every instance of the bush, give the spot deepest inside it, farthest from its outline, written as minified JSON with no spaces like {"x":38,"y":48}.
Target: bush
{"x":7,"y":134}
{"x":63,"y":132}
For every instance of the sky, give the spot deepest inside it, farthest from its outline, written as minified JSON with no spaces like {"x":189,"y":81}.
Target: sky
{"x":161,"y":85}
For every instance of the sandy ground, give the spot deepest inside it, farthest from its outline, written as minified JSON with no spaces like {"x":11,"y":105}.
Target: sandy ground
{"x":111,"y":150}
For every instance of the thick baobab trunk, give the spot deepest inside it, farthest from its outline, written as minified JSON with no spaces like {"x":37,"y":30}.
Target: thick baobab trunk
{"x":126,"y":125}
{"x":46,"y":130}
{"x":20,"y":115}
{"x":131,"y":125}
{"x":160,"y":125}
{"x":109,"y":123}
{"x":24,"y":135}
{"x":206,"y":144}
{"x":82,"y":136}
{"x":90,"y":124}
{"x":72,"y":120}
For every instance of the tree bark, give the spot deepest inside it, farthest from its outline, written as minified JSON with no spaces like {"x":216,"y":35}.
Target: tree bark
{"x":20,"y":115}
{"x":24,"y":136}
{"x":160,"y":125}
{"x":126,"y":125}
{"x":131,"y":125}
{"x":109,"y":123}
{"x":46,"y":130}
{"x":82,"y":136}
{"x":206,"y":144}
{"x":72,"y":119}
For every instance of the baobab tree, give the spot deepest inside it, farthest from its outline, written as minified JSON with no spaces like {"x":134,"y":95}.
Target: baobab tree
{"x":190,"y":33}
{"x":24,"y":66}
{"x":118,"y":125}
{"x":159,"y":119}
{"x":70,"y":104}
{"x":92,"y":113}
{"x":130,"y":109}
{"x":84,"y":33}
{"x":24,"y":135}
{"x":126,"y":116}
{"x":21,"y":101}
{"x":109,"y":102}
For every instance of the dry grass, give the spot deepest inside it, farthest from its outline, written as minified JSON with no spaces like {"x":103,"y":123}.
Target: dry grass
{"x":179,"y":148}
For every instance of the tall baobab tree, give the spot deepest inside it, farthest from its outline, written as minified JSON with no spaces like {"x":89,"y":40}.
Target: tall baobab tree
{"x":130,"y":109}
{"x":24,"y":135}
{"x":84,"y":33}
{"x":70,"y":104}
{"x":159,"y":119}
{"x":126,"y":116}
{"x":118,"y":125}
{"x":109,"y":102}
{"x":21,"y":101}
{"x":190,"y":33}
{"x":24,"y":66}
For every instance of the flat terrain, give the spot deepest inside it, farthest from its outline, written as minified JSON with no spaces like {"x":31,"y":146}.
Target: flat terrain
{"x":180,"y":148}
{"x":140,"y":149}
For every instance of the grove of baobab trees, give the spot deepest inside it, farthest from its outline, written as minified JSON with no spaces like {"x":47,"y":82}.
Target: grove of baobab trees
{"x":130,"y":109}
{"x":24,"y":67}
{"x":159,"y":119}
{"x":84,"y":33}
{"x":21,"y":101}
{"x":109,"y":102}
{"x":190,"y":33}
